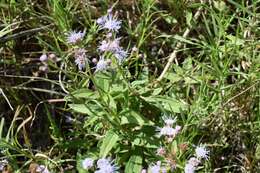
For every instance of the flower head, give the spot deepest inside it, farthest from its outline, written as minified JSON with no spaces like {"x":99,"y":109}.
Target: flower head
{"x":189,"y":168}
{"x":42,"y":169}
{"x":105,"y":166}
{"x":202,"y":152}
{"x":103,"y":162}
{"x":75,"y":37}
{"x":120,"y":55}
{"x":110,"y":45}
{"x":194,"y":161}
{"x":109,"y":22}
{"x":169,"y":121}
{"x":101,"y":65}
{"x":43,"y":58}
{"x":166,"y":131}
{"x":87,"y":163}
{"x":3,"y":163}
{"x":143,"y":171}
{"x":80,"y":58}
{"x":155,"y":168}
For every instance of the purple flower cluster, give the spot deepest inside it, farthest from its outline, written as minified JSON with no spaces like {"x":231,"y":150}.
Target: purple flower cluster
{"x":3,"y":163}
{"x":42,"y":169}
{"x":79,"y":53}
{"x":80,"y":58}
{"x":44,"y":58}
{"x":75,"y":37}
{"x":157,"y":168}
{"x":167,"y":130}
{"x":109,"y":22}
{"x":201,"y":153}
{"x":111,"y":44}
{"x":104,"y":165}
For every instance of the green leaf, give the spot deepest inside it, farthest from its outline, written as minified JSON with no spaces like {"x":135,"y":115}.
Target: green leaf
{"x":108,"y":143}
{"x":173,"y":77}
{"x":182,"y":39}
{"x":132,"y":117}
{"x":102,"y":81}
{"x":81,"y":108}
{"x":84,"y":93}
{"x":169,"y":104}
{"x":188,"y":18}
{"x":134,"y":164}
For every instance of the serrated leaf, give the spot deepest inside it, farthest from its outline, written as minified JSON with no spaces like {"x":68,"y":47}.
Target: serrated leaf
{"x":108,"y":143}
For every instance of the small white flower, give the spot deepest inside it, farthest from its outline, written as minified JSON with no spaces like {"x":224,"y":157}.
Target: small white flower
{"x":169,"y":121}
{"x":120,"y":55}
{"x":189,"y":168}
{"x":143,"y":171}
{"x":166,"y":131}
{"x":105,"y":166}
{"x":194,"y":161}
{"x":101,"y":65}
{"x":163,"y":170}
{"x":101,"y":21}
{"x":103,"y":162}
{"x":44,"y":68}
{"x":109,"y":22}
{"x":80,"y":58}
{"x":156,"y":168}
{"x":201,"y":152}
{"x":3,"y":163}
{"x":87,"y":163}
{"x":42,"y":169}
{"x":177,"y":130}
{"x":43,"y":58}
{"x":75,"y":37}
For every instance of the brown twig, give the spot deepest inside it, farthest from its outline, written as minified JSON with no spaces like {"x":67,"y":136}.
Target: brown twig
{"x":173,"y":55}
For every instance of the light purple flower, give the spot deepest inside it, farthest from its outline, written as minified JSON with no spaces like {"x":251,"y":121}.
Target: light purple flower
{"x":156,"y":168}
{"x":3,"y":163}
{"x":120,"y":54}
{"x":109,"y":22}
{"x":166,"y":131}
{"x":87,"y":163}
{"x":101,"y":65}
{"x":43,"y":58}
{"x":101,"y":21}
{"x":103,"y":162}
{"x":169,"y":121}
{"x":44,"y":68}
{"x":143,"y":171}
{"x":80,"y":58}
{"x":110,"y":45}
{"x":163,"y":170}
{"x":202,"y":152}
{"x":75,"y":37}
{"x":105,"y":166}
{"x":194,"y":161}
{"x":42,"y":169}
{"x":189,"y":168}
